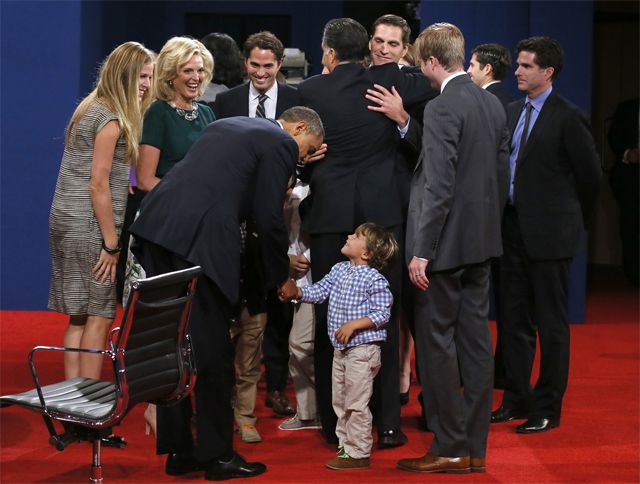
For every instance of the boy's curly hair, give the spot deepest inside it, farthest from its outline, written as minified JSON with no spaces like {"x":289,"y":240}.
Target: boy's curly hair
{"x":382,"y":246}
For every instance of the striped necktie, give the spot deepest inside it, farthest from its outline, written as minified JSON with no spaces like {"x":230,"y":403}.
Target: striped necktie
{"x":260,"y":113}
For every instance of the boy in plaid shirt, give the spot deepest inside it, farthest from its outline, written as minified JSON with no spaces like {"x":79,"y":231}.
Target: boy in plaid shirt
{"x":359,"y":307}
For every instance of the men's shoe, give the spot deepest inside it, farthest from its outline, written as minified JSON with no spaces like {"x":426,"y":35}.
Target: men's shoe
{"x":114,"y":441}
{"x":218,"y":470}
{"x":435,"y":463}
{"x":391,"y":438}
{"x":280,"y":403}
{"x":536,"y":425}
{"x":506,"y":414}
{"x":296,"y":423}
{"x":343,"y":462}
{"x":179,"y":464}
{"x":478,"y":464}
{"x":249,"y":433}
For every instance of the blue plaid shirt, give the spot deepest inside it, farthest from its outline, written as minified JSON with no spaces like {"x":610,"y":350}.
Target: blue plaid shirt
{"x":354,"y":292}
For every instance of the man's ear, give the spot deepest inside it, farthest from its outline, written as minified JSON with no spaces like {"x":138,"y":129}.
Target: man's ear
{"x":300,"y":127}
{"x":488,"y":70}
{"x":405,"y":49}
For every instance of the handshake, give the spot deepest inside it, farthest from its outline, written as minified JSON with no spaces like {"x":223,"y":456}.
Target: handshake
{"x":288,"y":291}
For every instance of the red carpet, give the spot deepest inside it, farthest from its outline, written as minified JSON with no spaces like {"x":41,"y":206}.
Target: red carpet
{"x":598,"y":440}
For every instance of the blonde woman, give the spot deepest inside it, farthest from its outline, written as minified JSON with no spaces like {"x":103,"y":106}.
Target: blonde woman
{"x":173,"y":123}
{"x":89,"y":202}
{"x":175,"y":120}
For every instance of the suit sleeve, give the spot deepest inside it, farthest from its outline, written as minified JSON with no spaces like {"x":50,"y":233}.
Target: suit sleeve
{"x":220,"y":108}
{"x":414,"y":87}
{"x":440,"y":158}
{"x":275,"y":167}
{"x":413,"y":138}
{"x":584,"y":161}
{"x":503,"y":171}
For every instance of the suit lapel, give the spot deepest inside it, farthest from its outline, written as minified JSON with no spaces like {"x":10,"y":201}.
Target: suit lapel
{"x":543,"y":120}
{"x":244,"y":99}
{"x":514,"y":115}
{"x":282,"y":94}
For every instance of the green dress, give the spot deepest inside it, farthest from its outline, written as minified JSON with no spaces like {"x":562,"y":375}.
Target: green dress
{"x":172,"y":133}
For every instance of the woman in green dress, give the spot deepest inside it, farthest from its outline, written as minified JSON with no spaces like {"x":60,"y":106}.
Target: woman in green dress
{"x":173,"y":122}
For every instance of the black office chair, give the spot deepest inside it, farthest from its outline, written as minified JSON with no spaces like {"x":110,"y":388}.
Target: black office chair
{"x":152,"y":362}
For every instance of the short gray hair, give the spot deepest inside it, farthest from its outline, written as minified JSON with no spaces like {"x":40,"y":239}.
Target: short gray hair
{"x":308,"y":115}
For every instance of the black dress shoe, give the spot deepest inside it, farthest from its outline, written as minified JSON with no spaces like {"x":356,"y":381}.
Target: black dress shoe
{"x":114,"y":441}
{"x":536,"y":425}
{"x":179,"y":464}
{"x":280,"y":403}
{"x":236,"y":467}
{"x":391,"y":438}
{"x":506,"y":414}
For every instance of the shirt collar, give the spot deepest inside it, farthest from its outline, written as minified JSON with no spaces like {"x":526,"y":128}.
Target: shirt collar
{"x":490,"y":84}
{"x":271,"y":93}
{"x":446,"y":81}
{"x":539,"y":101}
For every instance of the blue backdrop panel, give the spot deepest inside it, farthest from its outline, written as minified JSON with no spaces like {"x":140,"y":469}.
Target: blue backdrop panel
{"x":40,"y":85}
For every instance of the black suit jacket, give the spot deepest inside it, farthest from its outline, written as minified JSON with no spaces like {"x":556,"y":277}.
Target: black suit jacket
{"x":501,"y":93}
{"x":238,"y":169}
{"x":556,"y":179}
{"x":235,"y":102}
{"x":461,"y":181}
{"x":355,"y":181}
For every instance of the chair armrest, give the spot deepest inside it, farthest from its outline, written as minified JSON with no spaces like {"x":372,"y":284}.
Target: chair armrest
{"x":112,"y":335}
{"x":34,"y":373}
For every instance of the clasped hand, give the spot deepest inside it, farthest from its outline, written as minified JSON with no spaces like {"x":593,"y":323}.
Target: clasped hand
{"x":288,"y":291}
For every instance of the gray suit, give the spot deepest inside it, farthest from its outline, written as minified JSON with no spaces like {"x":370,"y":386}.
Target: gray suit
{"x":458,"y":191}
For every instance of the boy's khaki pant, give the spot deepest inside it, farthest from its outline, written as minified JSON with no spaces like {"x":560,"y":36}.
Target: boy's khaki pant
{"x":352,"y":376}
{"x":246,"y":335}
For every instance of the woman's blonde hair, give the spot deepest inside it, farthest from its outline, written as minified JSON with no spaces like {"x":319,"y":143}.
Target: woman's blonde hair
{"x":174,"y":54}
{"x":117,"y":89}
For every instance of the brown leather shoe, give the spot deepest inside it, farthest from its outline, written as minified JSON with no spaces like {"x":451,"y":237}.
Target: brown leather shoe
{"x":478,"y":464}
{"x":345,"y":463}
{"x":436,"y":463}
{"x":280,"y":403}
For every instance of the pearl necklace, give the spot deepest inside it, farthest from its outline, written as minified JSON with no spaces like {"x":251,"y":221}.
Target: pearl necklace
{"x":188,"y":115}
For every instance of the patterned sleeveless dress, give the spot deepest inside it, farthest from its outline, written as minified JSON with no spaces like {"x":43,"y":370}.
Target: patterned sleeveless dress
{"x":75,"y":239}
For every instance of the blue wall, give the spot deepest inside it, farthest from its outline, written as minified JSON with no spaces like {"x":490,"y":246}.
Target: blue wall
{"x":50,"y":51}
{"x":40,"y":79}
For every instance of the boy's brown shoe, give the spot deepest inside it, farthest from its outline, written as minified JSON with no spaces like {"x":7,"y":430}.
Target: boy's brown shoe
{"x":343,"y":462}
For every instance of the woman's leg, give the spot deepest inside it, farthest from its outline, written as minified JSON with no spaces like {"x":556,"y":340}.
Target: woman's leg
{"x":72,"y":338}
{"x":94,"y":336}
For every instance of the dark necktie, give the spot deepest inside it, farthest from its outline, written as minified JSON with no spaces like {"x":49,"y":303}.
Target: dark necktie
{"x":525,"y":132}
{"x":260,"y":108}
